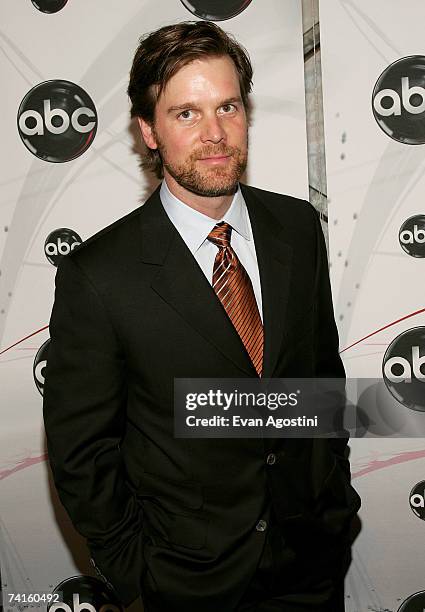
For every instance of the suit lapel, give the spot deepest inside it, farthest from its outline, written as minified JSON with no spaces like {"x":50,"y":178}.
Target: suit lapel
{"x":274,"y":258}
{"x":182,"y":284}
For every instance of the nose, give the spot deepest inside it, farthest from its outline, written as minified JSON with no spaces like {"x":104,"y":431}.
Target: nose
{"x":212,"y":130}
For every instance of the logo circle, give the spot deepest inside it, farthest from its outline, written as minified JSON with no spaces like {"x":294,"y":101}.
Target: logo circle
{"x":412,"y":236}
{"x":84,"y":593}
{"x":414,"y":603}
{"x":39,"y":365}
{"x":59,"y":243}
{"x":403,"y":368}
{"x":216,"y":10}
{"x":57,"y":121}
{"x":398,"y":100}
{"x":417,"y":500}
{"x":49,"y":6}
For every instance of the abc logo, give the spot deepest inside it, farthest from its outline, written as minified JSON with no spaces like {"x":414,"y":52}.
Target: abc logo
{"x":404,"y":368}
{"x":417,"y":499}
{"x":49,"y":6}
{"x":412,"y":236}
{"x":84,"y":594}
{"x":414,"y":603}
{"x":57,"y":121}
{"x":39,"y":365}
{"x":216,"y":10}
{"x":398,"y":100}
{"x":59,"y":243}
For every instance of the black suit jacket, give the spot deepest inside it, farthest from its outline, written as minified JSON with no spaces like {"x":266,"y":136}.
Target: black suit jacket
{"x":176,"y":518}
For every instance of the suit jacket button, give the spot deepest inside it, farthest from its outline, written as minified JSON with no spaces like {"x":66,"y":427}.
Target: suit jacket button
{"x":261,"y":525}
{"x":271,"y":458}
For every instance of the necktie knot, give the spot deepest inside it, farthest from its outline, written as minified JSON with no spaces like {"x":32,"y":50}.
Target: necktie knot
{"x":220,"y":234}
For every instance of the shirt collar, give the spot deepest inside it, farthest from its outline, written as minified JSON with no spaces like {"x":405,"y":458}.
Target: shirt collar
{"x":194,"y":226}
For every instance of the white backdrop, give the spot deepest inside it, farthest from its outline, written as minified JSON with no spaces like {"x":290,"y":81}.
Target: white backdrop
{"x":375,"y":183}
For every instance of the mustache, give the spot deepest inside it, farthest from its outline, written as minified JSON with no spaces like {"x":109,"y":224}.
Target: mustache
{"x":213,"y":150}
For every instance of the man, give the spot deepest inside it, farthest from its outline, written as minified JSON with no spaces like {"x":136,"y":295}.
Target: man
{"x":199,"y":524}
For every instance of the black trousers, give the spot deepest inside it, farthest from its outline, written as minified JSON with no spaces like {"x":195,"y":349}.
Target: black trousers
{"x":273,"y":589}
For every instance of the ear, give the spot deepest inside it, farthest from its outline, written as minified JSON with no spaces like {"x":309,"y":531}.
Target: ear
{"x":147,"y":133}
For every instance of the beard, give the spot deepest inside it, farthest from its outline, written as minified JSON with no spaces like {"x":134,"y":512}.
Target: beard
{"x":209,"y":181}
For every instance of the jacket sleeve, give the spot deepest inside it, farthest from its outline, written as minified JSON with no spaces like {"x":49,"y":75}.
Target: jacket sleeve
{"x":328,"y":363}
{"x":84,"y":408}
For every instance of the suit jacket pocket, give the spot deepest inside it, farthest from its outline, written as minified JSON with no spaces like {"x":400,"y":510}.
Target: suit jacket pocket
{"x":171,"y":511}
{"x":177,"y":493}
{"x":189,"y":531}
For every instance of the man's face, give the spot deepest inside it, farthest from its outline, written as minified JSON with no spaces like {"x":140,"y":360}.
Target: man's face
{"x":200,"y":128}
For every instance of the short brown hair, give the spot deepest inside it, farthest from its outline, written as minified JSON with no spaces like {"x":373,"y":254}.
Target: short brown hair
{"x":161,"y":54}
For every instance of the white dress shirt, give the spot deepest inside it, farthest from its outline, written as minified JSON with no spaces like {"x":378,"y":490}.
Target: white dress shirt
{"x":194,"y":227}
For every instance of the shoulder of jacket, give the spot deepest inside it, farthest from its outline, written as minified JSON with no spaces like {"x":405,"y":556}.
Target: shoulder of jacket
{"x":281,"y":204}
{"x":109,"y":241}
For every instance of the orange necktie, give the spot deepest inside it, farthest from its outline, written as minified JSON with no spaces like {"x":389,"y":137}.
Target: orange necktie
{"x":234,"y":290}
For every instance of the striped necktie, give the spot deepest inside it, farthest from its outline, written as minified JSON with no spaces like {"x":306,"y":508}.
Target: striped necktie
{"x":234,"y":290}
